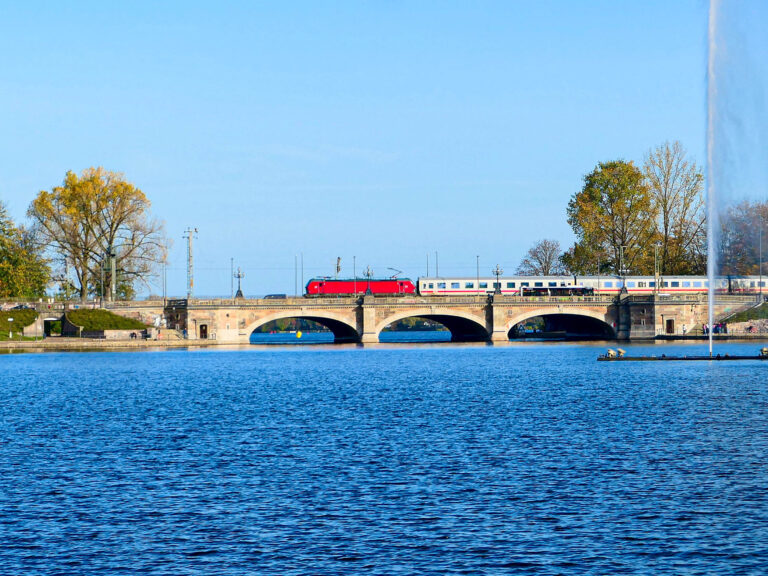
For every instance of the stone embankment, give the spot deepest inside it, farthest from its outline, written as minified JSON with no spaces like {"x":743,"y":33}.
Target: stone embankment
{"x":81,"y":344}
{"x":750,"y":327}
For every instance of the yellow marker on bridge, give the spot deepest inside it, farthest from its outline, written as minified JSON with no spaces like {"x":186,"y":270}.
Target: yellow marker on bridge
{"x":298,"y":334}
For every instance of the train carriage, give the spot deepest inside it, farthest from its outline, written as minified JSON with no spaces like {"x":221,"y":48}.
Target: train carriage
{"x":359,"y":286}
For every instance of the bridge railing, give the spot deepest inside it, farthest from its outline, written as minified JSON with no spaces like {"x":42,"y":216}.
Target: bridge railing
{"x":555,"y":299}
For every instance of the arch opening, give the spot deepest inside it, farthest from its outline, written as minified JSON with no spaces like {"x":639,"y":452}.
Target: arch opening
{"x":442,"y":328}
{"x":303,"y":330}
{"x":562,"y":327}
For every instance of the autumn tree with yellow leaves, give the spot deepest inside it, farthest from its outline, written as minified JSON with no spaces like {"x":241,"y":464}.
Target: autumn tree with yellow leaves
{"x":97,"y":222}
{"x":613,"y":217}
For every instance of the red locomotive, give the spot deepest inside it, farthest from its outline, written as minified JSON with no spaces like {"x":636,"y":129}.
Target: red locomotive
{"x":351,"y":287}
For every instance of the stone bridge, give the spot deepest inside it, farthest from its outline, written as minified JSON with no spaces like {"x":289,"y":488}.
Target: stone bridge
{"x":469,"y":318}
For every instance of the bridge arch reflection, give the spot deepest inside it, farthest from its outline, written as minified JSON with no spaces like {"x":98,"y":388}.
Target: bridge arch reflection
{"x":582,"y":324}
{"x":343,"y":332}
{"x":463,"y":327}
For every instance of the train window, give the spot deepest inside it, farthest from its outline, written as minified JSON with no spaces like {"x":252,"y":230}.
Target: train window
{"x":641,"y":284}
{"x":552,"y":284}
{"x":666,"y":284}
{"x":497,"y":285}
{"x":431,"y":285}
{"x":631,"y":284}
{"x":524,"y":284}
{"x":697,"y":284}
{"x":538,"y":284}
{"x":609,"y":284}
{"x":441,"y":285}
{"x":686,"y":284}
{"x":762,"y":283}
{"x":469,"y":284}
{"x":675,"y":284}
{"x":510,"y":284}
{"x":752,"y":284}
{"x":455,"y":286}
{"x":652,"y":284}
{"x":483,"y":284}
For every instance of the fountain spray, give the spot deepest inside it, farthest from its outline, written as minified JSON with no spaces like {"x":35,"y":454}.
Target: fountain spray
{"x":711,"y":200}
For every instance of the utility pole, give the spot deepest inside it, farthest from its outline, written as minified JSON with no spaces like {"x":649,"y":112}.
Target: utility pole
{"x":477,"y":262}
{"x":113,"y":273}
{"x":101,"y":302}
{"x":190,"y":234}
{"x":165,"y":279}
{"x":338,"y":267}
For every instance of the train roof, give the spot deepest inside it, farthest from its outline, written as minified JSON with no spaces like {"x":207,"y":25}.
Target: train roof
{"x":358,"y":279}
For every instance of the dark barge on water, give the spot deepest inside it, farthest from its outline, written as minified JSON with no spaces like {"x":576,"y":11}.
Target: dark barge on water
{"x":619,"y":355}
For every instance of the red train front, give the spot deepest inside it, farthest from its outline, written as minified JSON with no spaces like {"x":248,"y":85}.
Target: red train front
{"x":359,"y":286}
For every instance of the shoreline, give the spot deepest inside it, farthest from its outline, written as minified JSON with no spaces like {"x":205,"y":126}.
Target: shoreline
{"x":88,"y":344}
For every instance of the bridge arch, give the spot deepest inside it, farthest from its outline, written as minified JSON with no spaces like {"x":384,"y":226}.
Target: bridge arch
{"x":464,"y":327}
{"x":343,"y":330}
{"x":602,"y":324}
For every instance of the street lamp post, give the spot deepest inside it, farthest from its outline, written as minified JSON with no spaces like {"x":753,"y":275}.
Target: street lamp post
{"x":622,"y":270}
{"x":598,"y":273}
{"x":10,"y":330}
{"x":760,"y":259}
{"x":368,"y":273}
{"x":498,"y":272}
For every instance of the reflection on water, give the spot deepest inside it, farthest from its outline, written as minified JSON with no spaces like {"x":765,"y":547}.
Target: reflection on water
{"x":389,"y":458}
{"x":327,"y":337}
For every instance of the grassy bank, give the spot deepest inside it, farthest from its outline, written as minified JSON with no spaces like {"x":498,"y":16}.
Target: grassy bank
{"x":757,"y":313}
{"x":21,"y":318}
{"x":91,"y":320}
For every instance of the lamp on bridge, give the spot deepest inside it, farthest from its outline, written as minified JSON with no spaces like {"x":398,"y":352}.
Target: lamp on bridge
{"x":498,"y":272}
{"x":239,"y":275}
{"x":368,"y":274}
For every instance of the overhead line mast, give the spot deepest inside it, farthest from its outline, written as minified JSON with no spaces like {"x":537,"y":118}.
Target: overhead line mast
{"x":190,"y":234}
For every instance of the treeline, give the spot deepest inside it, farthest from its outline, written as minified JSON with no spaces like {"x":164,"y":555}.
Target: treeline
{"x":629,"y":219}
{"x":92,"y":236}
{"x":642,"y":220}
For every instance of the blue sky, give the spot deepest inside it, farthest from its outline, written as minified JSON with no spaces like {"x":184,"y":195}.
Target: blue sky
{"x":384,"y":130}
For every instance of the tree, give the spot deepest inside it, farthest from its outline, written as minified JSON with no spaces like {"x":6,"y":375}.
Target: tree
{"x":98,"y":222}
{"x":542,"y":259}
{"x":24,"y":272}
{"x":613,"y":216}
{"x":676,"y":185}
{"x":740,"y":238}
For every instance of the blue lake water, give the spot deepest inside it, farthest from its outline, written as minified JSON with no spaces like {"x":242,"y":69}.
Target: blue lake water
{"x":388,"y":459}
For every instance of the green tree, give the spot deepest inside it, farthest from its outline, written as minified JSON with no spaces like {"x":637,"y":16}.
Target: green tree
{"x":24,"y":272}
{"x":613,"y":215}
{"x":96,"y":219}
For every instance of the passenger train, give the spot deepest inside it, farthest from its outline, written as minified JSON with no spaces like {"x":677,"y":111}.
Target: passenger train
{"x":588,"y":285}
{"x":534,"y":285}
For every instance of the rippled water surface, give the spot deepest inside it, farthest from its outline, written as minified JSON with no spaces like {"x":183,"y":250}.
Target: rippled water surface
{"x":393,"y":459}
